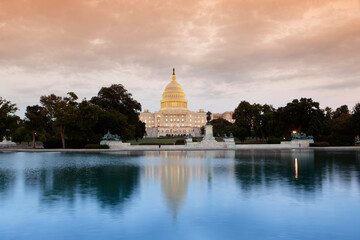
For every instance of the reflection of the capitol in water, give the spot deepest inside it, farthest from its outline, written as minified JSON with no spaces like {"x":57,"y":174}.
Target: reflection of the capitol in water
{"x":175,"y":170}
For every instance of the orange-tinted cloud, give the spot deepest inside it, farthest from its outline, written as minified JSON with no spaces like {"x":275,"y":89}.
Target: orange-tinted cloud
{"x":254,"y":48}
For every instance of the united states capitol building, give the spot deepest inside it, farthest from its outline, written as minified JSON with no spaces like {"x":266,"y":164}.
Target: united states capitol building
{"x":174,"y":118}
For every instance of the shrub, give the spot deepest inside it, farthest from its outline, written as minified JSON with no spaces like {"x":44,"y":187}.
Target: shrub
{"x":96,"y":146}
{"x":73,"y":144}
{"x":52,"y":143}
{"x":56,"y":143}
{"x":180,"y":142}
{"x":274,"y":140}
{"x":342,"y":140}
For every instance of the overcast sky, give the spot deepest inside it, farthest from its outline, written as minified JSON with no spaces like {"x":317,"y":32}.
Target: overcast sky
{"x":262,"y":51}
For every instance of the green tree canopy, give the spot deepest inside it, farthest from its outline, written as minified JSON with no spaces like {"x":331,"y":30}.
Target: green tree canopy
{"x":356,"y":118}
{"x":266,"y":123}
{"x":221,"y":127}
{"x":344,"y":109}
{"x":299,"y":114}
{"x":254,"y":120}
{"x":61,"y":110}
{"x":87,"y":118}
{"x":117,"y":101}
{"x":116,"y":97}
{"x":8,"y":119}
{"x":243,"y":115}
{"x":35,"y":120}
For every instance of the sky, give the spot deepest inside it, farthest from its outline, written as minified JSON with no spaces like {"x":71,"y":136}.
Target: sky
{"x":261,"y":51}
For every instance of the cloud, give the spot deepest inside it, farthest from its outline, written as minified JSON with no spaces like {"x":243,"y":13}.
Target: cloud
{"x":220,"y":48}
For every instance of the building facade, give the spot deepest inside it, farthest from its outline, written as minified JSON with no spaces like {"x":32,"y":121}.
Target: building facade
{"x":174,"y":118}
{"x":226,"y":115}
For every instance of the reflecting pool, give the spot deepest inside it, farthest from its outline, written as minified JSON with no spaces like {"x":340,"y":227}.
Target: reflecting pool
{"x":254,"y":194}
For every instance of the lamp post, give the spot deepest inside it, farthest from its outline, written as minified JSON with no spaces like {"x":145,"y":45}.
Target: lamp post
{"x":35,"y":140}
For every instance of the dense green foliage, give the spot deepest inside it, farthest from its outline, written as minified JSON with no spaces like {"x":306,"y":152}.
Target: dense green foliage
{"x":221,"y":127}
{"x":8,"y":120}
{"x":337,"y":128}
{"x":67,"y":122}
{"x":254,"y":120}
{"x":96,"y":146}
{"x":120,"y":112}
{"x":62,"y":110}
{"x":35,"y":121}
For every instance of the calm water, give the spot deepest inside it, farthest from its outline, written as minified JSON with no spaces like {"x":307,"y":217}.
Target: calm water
{"x":288,"y":194}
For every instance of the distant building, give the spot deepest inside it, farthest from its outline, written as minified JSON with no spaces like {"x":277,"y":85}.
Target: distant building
{"x":226,"y":115}
{"x":174,"y":118}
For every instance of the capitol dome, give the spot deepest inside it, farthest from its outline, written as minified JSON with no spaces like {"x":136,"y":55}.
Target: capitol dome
{"x":173,"y":96}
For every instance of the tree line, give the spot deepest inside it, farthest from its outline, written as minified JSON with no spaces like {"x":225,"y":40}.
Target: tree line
{"x":67,"y":122}
{"x":265,"y":123}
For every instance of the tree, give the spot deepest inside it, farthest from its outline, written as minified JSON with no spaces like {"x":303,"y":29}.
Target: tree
{"x":243,"y":120}
{"x":356,"y":118}
{"x":341,"y":110}
{"x":257,"y":121}
{"x":267,"y":121}
{"x":328,"y":115}
{"x":61,"y":110}
{"x":8,"y":120}
{"x":115,"y":122}
{"x":342,"y":130}
{"x":317,"y":124}
{"x":221,"y":127}
{"x":254,"y":120}
{"x":35,"y":120}
{"x":342,"y":125}
{"x":85,"y":129}
{"x":117,"y":98}
{"x":21,"y":134}
{"x":299,"y":113}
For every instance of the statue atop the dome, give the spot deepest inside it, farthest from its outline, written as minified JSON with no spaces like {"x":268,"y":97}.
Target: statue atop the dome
{"x":173,"y":71}
{"x":208,"y":117}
